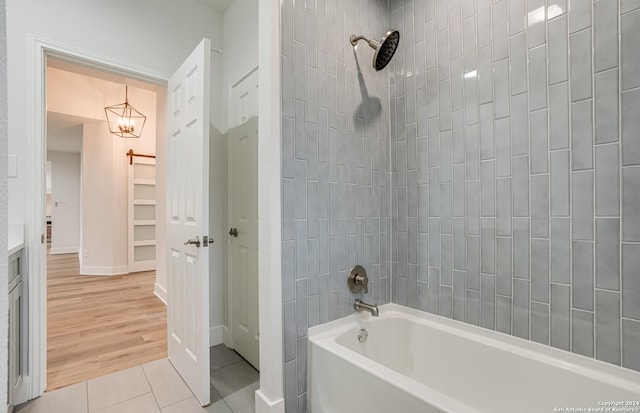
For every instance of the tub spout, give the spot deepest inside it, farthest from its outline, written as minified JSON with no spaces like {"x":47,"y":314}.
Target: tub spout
{"x":360,"y":305}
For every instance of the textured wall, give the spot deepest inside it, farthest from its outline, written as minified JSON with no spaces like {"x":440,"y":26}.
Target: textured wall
{"x":516,"y":169}
{"x":335,"y":186}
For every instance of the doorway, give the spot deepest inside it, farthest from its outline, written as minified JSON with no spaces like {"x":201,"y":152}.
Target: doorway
{"x":103,"y":313}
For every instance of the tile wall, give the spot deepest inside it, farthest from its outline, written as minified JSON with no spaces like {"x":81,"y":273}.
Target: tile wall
{"x":490,"y":174}
{"x":335,"y":169}
{"x":515,"y":155}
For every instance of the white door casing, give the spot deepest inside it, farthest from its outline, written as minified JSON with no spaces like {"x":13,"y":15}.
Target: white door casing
{"x":188,"y":217}
{"x":243,"y":216}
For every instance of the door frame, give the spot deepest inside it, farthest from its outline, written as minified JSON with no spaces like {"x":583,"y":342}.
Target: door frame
{"x":39,"y":49}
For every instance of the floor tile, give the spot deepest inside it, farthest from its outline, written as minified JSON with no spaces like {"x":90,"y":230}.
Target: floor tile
{"x":153,"y":388}
{"x":243,"y":400}
{"x":166,"y":383}
{"x":191,"y":405}
{"x":72,"y":399}
{"x":215,"y":396}
{"x":116,"y":388}
{"x":222,"y":356}
{"x":141,"y":404}
{"x":230,"y":379}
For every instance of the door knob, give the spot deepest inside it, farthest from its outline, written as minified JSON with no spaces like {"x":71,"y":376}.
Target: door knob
{"x":195,"y":241}
{"x":233,"y":232}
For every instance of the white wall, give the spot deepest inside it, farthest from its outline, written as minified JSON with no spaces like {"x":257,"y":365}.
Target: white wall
{"x":162,"y":34}
{"x":4,"y":327}
{"x":104,"y":228}
{"x":65,"y":191}
{"x":104,"y":201}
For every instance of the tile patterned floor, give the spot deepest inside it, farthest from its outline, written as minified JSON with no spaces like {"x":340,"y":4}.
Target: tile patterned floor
{"x":233,"y":379}
{"x":156,"y":388}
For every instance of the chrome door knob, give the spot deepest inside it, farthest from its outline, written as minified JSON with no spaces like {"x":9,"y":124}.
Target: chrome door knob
{"x":195,"y":241}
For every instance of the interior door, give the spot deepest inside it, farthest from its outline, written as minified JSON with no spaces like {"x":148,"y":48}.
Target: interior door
{"x":188,"y":220}
{"x":243,"y":199}
{"x":141,"y":203}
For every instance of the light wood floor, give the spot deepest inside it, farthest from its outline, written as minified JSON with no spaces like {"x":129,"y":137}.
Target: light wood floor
{"x":100,"y":324}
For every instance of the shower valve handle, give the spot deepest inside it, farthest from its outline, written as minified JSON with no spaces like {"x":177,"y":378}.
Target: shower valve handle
{"x":358,"y":280}
{"x":362,"y":280}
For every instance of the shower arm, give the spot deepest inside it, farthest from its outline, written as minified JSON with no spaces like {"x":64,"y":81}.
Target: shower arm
{"x":372,"y":43}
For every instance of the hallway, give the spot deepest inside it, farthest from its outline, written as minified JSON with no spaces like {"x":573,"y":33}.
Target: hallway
{"x":100,"y":324}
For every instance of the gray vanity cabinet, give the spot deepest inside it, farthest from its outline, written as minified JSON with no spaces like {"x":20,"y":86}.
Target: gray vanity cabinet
{"x":16,"y":324}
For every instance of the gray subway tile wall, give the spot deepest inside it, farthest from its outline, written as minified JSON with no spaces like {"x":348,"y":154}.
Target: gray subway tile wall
{"x":336,"y":181}
{"x":489,"y":174}
{"x":546,"y":185}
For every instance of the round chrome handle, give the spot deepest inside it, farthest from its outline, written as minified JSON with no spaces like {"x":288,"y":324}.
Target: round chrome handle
{"x":233,"y":232}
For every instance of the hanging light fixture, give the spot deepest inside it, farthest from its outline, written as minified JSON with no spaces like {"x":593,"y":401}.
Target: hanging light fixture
{"x":124,"y":120}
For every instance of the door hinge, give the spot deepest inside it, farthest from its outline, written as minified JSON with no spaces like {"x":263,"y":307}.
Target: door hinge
{"x":206,"y":240}
{"x":41,"y":238}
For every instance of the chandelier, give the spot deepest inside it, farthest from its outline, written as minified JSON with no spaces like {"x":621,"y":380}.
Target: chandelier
{"x":124,"y":120}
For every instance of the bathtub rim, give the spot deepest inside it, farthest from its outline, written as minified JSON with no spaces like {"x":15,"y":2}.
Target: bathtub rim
{"x":325,"y":335}
{"x":405,"y":384}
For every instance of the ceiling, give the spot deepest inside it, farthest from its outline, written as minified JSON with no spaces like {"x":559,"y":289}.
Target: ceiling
{"x":96,"y":73}
{"x":64,"y":132}
{"x":219,"y":5}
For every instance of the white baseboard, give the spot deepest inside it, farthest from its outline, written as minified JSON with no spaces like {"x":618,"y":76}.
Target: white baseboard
{"x":216,"y":335}
{"x":264,"y":405}
{"x":64,"y":250}
{"x":118,"y":270}
{"x":160,"y":292}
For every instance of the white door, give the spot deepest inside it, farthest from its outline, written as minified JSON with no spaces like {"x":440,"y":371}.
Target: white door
{"x":188,"y":219}
{"x":141,"y":202}
{"x":243,"y":212}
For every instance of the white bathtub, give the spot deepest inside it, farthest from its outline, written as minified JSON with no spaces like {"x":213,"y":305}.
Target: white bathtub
{"x":416,"y":362}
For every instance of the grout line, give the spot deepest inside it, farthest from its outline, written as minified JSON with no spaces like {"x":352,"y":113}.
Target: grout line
{"x":570,"y":176}
{"x":144,"y":372}
{"x":620,"y":194}
{"x":593,"y":176}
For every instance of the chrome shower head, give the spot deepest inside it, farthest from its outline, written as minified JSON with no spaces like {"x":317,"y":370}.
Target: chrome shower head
{"x":385,"y":49}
